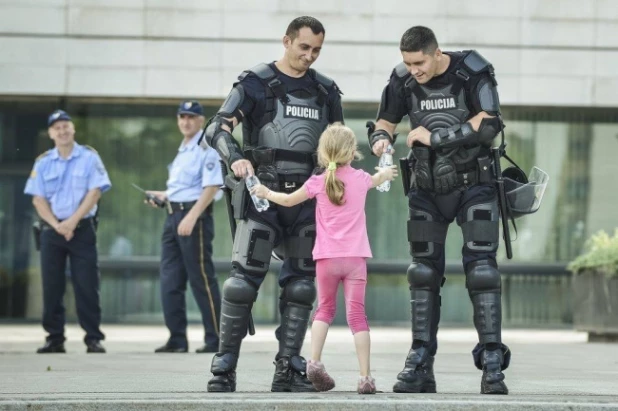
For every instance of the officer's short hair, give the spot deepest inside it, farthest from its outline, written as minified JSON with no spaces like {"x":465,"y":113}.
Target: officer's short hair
{"x":304,"y":21}
{"x":418,"y":38}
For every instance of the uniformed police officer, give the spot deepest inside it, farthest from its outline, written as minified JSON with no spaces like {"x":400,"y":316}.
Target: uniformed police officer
{"x":452,"y":102}
{"x":66,"y":183}
{"x":186,"y":251}
{"x":284,"y":107}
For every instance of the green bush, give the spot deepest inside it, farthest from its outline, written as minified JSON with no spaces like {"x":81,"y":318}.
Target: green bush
{"x":601,"y":255}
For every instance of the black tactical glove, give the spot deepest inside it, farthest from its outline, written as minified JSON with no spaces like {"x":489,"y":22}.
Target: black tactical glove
{"x":445,"y":175}
{"x":422,"y":171}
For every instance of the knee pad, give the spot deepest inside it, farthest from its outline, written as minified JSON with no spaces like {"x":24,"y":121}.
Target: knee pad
{"x":298,"y":248}
{"x":299,"y":292}
{"x":482,"y":276}
{"x":424,"y":233}
{"x":479,"y":224}
{"x":253,"y":246}
{"x":238,"y":291}
{"x":423,"y":277}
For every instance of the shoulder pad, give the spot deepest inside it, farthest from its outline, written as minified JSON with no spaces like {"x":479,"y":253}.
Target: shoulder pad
{"x":42,"y":155}
{"x":90,"y":148}
{"x":401,"y":70}
{"x":322,"y":79}
{"x":262,"y":71}
{"x":476,"y":63}
{"x":327,"y":82}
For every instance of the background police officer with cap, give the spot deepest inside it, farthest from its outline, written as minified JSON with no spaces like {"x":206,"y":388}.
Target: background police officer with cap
{"x":452,"y":102}
{"x":186,"y":250}
{"x":66,"y":183}
{"x":284,"y":107}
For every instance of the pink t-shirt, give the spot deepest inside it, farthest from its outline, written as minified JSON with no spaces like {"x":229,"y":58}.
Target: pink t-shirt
{"x":341,"y":231}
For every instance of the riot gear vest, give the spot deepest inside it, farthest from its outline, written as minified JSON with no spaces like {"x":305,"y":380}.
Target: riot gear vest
{"x":435,"y":108}
{"x":292,"y":124}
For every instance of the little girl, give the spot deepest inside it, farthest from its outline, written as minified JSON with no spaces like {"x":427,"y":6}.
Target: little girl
{"x":341,"y":246}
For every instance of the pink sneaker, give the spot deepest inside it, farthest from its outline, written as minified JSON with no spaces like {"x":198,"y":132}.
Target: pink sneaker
{"x":316,"y":373}
{"x":366,"y":385}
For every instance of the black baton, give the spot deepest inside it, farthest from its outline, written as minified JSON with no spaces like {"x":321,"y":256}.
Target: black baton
{"x":502,"y":202}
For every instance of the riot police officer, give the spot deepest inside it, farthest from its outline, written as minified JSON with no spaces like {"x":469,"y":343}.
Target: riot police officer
{"x":284,"y":107}
{"x":453,"y":107}
{"x":186,"y":249}
{"x":66,"y":183}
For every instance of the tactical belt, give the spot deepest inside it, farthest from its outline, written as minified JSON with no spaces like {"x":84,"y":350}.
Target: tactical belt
{"x":280,"y":154}
{"x":173,"y":206}
{"x":468,"y":178}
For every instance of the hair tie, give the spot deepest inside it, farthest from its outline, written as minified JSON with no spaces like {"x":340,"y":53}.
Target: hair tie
{"x":332,"y":165}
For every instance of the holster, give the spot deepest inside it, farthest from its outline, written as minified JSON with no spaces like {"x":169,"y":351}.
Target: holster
{"x":486,"y":175}
{"x":407,"y":177}
{"x":36,"y":231}
{"x":239,"y":195}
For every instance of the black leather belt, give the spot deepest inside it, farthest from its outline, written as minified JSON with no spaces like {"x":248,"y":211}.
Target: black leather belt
{"x":82,"y":223}
{"x":173,"y":206}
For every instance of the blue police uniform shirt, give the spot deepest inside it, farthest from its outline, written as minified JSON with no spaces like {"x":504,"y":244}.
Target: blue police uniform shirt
{"x":65,"y":182}
{"x":193,"y":169}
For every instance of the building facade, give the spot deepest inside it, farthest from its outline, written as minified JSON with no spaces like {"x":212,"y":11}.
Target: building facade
{"x":120,"y":68}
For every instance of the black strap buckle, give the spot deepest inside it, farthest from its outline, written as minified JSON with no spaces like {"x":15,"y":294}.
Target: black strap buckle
{"x":278,"y":90}
{"x":462,"y":75}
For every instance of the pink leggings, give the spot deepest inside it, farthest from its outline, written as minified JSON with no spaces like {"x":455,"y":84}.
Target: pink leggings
{"x":352,"y":271}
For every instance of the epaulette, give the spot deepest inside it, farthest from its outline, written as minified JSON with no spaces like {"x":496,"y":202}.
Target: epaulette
{"x":42,"y":155}
{"x":90,"y":148}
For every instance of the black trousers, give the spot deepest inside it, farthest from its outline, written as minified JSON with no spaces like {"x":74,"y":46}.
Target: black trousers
{"x":189,"y":258}
{"x":85,"y":277}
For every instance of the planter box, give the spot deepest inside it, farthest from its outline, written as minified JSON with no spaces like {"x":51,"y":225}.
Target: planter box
{"x":595,"y":306}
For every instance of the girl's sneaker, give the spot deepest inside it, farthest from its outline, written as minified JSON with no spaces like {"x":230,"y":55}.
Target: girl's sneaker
{"x":366,"y":385}
{"x":316,"y":373}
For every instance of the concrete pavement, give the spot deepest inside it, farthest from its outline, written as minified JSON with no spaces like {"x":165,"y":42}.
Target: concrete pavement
{"x":553,"y":370}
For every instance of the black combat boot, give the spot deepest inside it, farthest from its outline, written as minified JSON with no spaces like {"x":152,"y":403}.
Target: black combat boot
{"x":492,"y":381}
{"x":417,"y":375}
{"x":291,"y":375}
{"x":224,"y":373}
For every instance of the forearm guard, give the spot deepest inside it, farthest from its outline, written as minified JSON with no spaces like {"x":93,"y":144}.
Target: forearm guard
{"x":463,"y":134}
{"x":221,"y":140}
{"x":376,"y":135}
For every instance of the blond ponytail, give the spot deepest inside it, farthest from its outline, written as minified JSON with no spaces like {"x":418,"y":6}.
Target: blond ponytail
{"x":337,"y":147}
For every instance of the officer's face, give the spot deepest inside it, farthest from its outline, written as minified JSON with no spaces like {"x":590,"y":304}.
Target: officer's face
{"x":189,"y":125}
{"x":422,"y":66}
{"x":304,"y":50}
{"x":62,"y":132}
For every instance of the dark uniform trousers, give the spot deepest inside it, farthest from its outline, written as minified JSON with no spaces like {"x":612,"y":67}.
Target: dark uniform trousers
{"x":189,"y":258}
{"x":444,"y":209}
{"x":82,"y":253}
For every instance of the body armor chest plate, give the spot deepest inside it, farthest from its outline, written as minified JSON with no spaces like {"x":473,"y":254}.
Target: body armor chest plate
{"x":296,"y":126}
{"x":437,"y":108}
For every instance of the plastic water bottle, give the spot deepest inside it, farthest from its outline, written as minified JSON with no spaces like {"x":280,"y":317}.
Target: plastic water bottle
{"x":386,"y":160}
{"x":261,"y":204}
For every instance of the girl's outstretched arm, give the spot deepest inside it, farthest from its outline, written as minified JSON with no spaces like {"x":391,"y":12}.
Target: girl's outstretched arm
{"x":383,"y":174}
{"x":286,"y":200}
